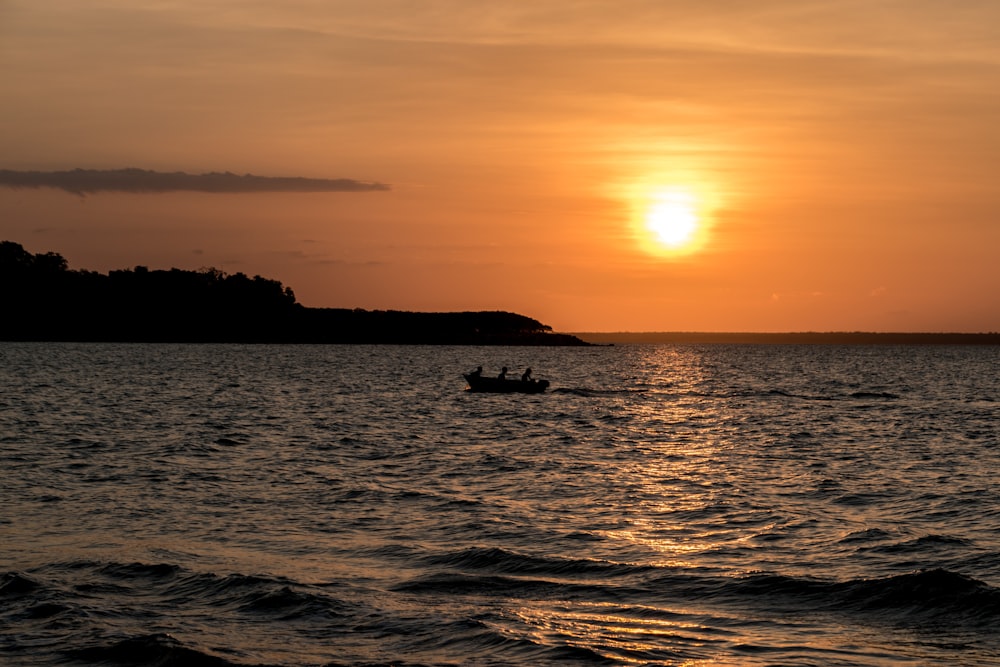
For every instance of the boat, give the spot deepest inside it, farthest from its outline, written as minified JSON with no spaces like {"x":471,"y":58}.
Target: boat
{"x":498,"y":386}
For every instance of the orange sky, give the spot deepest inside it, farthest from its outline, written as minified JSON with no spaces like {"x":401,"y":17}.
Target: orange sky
{"x":840,"y":160}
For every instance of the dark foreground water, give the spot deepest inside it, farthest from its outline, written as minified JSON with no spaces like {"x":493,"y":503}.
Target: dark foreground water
{"x":344,"y":505}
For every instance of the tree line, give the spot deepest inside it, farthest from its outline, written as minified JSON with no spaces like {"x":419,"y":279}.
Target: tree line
{"x":42,"y":299}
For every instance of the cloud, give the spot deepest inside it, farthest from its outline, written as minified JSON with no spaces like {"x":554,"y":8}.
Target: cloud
{"x":89,"y":181}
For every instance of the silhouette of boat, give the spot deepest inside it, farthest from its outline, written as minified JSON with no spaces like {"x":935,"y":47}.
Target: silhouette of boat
{"x":498,"y":386}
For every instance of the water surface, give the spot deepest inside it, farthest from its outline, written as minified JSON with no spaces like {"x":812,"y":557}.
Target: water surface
{"x":342,"y":505}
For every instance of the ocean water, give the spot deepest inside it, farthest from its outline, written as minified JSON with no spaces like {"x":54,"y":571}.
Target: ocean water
{"x":352,"y":505}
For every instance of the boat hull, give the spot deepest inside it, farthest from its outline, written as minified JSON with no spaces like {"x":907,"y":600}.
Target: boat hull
{"x":498,"y":386}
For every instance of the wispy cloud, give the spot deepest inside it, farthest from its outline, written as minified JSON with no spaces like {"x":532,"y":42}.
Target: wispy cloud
{"x":89,"y":181}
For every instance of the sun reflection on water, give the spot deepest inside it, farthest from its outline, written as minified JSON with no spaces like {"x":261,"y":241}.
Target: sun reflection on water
{"x":678,"y":494}
{"x":629,"y":635}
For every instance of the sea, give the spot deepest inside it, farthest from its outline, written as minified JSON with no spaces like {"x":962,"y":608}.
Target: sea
{"x":696,"y":505}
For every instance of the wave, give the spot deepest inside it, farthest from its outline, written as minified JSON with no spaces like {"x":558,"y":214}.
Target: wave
{"x":735,"y":393}
{"x":132,"y":571}
{"x":874,"y":394}
{"x":481,"y":640}
{"x":867,"y":535}
{"x":126,"y":616}
{"x":858,"y":395}
{"x":492,"y":585}
{"x":286,"y":604}
{"x":921,"y":544}
{"x":498,"y":560}
{"x":15,"y":584}
{"x":933,"y":596}
{"x":123,"y":613}
{"x":590,"y":392}
{"x":927,"y":597}
{"x":159,"y":650}
{"x":276,"y":597}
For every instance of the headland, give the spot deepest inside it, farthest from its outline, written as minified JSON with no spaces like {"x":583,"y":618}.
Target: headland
{"x":42,"y":299}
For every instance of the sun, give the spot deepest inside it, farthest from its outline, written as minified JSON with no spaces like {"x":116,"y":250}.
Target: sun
{"x":670,"y":216}
{"x":671,"y":221}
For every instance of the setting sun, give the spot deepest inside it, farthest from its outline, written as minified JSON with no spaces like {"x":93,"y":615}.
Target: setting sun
{"x":672,"y":220}
{"x":669,"y":221}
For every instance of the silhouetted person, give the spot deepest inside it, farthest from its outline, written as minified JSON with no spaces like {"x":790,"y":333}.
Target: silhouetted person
{"x":503,"y":374}
{"x":477,"y":373}
{"x":526,"y":376}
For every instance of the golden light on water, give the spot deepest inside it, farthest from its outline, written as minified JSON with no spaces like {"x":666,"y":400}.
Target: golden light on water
{"x":606,"y":630}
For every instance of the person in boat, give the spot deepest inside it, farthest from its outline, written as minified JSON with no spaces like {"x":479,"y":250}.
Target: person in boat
{"x":477,"y":373}
{"x":526,"y":376}
{"x":503,"y":374}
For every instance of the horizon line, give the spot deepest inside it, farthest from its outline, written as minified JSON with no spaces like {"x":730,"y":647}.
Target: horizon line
{"x":790,"y":337}
{"x":737,"y":332}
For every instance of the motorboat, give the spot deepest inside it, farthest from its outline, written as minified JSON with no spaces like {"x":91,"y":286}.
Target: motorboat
{"x":479,"y":383}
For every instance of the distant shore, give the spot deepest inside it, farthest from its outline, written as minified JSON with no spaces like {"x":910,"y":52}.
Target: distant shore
{"x":44,"y":300}
{"x":791,"y":338}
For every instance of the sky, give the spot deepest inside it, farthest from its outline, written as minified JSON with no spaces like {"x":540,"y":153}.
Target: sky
{"x":626,"y":165}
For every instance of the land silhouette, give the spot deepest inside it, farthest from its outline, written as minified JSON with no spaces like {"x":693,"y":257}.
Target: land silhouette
{"x":44,"y":300}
